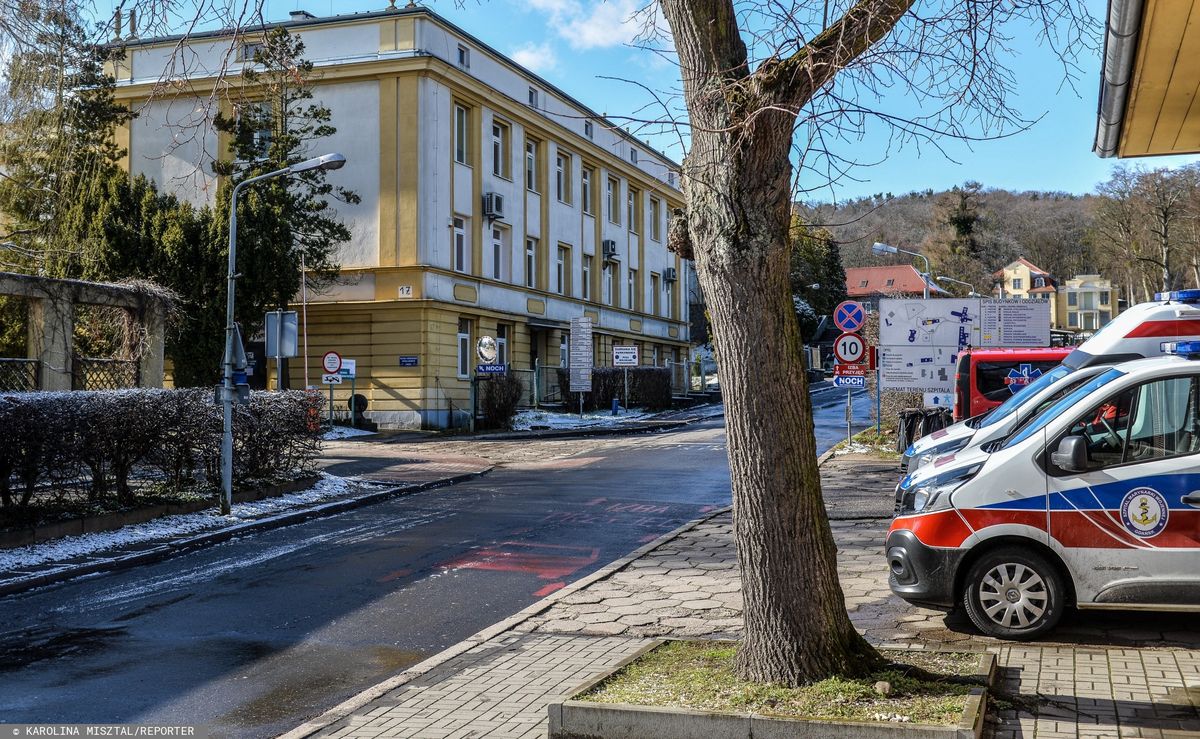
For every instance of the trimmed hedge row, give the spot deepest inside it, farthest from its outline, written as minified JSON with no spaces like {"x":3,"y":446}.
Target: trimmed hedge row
{"x":102,"y":442}
{"x":649,"y":387}
{"x":499,"y":397}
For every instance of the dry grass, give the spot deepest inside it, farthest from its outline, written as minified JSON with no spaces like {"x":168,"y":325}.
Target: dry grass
{"x":699,"y":675}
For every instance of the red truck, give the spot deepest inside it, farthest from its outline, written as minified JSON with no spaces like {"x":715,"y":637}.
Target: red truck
{"x":984,"y":378}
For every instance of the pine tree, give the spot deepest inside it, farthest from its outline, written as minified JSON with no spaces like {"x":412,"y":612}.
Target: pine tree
{"x":282,"y":221}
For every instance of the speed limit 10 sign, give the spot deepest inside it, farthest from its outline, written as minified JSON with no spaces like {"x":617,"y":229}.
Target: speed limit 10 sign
{"x":849,"y":349}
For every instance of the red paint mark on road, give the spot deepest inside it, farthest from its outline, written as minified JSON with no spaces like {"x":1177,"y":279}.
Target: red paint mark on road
{"x":548,"y":589}
{"x":647,"y":538}
{"x":547,"y":561}
{"x":596,"y":501}
{"x":708,"y":509}
{"x":396,"y":575}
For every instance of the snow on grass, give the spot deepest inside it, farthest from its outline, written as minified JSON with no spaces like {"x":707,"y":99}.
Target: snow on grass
{"x":855,"y":447}
{"x":344,"y":432}
{"x":172,"y":526}
{"x":526,"y":420}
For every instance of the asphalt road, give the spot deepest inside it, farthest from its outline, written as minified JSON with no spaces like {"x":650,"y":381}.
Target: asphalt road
{"x":254,"y":636}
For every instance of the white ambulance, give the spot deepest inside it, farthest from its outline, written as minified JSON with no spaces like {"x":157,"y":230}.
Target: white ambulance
{"x":1093,"y":503}
{"x":1138,"y":332}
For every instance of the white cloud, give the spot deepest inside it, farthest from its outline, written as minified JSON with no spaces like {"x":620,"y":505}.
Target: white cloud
{"x":539,"y":58}
{"x":593,"y":25}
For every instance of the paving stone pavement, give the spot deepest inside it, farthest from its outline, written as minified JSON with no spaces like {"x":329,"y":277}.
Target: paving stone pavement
{"x":1101,"y":675}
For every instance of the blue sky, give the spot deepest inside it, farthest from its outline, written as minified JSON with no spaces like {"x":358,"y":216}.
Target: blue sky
{"x":576,"y":43}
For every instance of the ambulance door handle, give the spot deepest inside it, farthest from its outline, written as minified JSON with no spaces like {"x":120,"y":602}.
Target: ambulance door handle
{"x":1192,"y":499}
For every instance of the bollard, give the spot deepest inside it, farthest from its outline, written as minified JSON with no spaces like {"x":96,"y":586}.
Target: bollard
{"x":615,"y":407}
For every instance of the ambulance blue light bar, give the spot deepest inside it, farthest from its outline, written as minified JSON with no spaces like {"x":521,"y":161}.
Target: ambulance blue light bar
{"x":1180,"y":296}
{"x":1183,"y":348}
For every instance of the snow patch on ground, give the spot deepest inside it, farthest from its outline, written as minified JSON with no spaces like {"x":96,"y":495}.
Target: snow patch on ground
{"x":854,"y":447}
{"x":172,"y":526}
{"x":526,"y":420}
{"x":344,"y":432}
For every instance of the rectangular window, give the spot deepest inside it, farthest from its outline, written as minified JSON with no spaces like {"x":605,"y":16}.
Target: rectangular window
{"x":631,"y":289}
{"x":562,"y":267}
{"x":1072,"y":299}
{"x":530,"y":262}
{"x":671,"y":179}
{"x":608,"y":283}
{"x":502,"y":344}
{"x":890,"y":283}
{"x":1016,"y":283}
{"x":631,"y":210}
{"x":862,"y":283}
{"x":464,"y":57}
{"x":461,"y":248}
{"x":657,"y":295}
{"x":655,"y":218}
{"x":464,"y":348}
{"x":249,"y":50}
{"x":462,"y":130}
{"x":588,"y":130}
{"x":1104,"y":297}
{"x":614,"y":210}
{"x":1073,"y":320}
{"x":533,"y":97}
{"x":587,"y":278}
{"x":562,"y":177}
{"x":633,"y":155}
{"x":585,"y":190}
{"x":669,"y":288}
{"x":501,"y":166}
{"x":499,"y":255}
{"x":564,"y":348}
{"x":531,"y":148}
{"x":1105,"y":317}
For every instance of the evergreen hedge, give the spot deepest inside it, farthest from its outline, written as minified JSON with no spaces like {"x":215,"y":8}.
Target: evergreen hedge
{"x":649,"y":388}
{"x":499,"y":397}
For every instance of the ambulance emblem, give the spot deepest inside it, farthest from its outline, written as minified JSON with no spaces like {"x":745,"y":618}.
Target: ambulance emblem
{"x":1144,"y":512}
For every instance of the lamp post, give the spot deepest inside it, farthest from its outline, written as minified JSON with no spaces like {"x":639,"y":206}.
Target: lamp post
{"x":885,"y":249}
{"x":228,"y":391}
{"x":972,"y":294}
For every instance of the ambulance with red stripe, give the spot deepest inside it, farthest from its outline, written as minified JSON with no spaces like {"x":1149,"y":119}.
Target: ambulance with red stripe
{"x":1138,"y":332}
{"x":1093,"y":502}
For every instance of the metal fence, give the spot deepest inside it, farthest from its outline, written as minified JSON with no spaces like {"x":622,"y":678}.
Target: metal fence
{"x":18,"y":375}
{"x":540,"y":386}
{"x":94,"y":373}
{"x":685,"y":377}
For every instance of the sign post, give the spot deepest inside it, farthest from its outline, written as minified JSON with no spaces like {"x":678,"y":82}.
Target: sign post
{"x":581,"y":358}
{"x":626,"y":356}
{"x":852,"y":354}
{"x":282,"y":330}
{"x":332,"y":364}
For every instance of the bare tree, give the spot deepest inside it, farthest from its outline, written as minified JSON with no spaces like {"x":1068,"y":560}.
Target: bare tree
{"x":755,"y":74}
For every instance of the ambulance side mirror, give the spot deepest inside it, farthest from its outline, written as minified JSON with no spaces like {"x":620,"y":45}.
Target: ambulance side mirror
{"x":1071,"y":455}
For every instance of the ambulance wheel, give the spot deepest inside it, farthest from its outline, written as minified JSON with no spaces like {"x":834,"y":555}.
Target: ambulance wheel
{"x":1012,"y":593}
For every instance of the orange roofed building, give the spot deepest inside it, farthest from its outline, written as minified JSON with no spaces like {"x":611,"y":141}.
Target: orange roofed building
{"x":868,"y":284}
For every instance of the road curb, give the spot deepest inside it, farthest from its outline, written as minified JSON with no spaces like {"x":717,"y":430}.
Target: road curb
{"x":167,"y":550}
{"x":536,"y":435}
{"x":345,"y":708}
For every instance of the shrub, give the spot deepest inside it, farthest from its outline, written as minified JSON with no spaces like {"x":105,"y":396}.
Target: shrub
{"x":649,"y":387}
{"x":103,"y":445}
{"x":499,"y":397}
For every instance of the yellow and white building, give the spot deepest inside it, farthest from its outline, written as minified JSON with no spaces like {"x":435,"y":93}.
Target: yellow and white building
{"x":492,"y":204}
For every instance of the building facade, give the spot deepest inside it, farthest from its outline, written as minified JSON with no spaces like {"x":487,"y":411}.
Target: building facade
{"x":493,"y":204}
{"x":1022,"y":279}
{"x":1085,"y":303}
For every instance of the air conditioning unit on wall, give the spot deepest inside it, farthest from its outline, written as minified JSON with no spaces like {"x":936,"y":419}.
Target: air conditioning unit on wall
{"x":670,"y":275}
{"x":608,"y":249}
{"x":493,"y":205}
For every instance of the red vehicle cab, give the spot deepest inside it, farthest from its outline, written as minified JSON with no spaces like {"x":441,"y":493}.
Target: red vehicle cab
{"x":985,"y":378}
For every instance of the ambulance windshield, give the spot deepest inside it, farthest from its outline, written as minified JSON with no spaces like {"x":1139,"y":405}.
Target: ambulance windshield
{"x":1037,"y":422}
{"x":1023,"y":396}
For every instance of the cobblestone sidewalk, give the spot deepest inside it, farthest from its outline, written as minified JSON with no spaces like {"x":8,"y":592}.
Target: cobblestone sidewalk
{"x":1104,"y":676}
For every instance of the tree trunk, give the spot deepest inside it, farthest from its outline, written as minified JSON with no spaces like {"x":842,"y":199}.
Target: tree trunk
{"x":739,"y":206}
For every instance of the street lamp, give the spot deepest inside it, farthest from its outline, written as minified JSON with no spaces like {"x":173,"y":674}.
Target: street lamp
{"x":885,"y":249}
{"x":972,"y":294}
{"x":228,"y":391}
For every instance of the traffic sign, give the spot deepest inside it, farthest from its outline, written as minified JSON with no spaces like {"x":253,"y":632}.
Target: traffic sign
{"x":850,"y":370}
{"x":849,"y":349}
{"x":332,"y":362}
{"x":490,"y":369}
{"x":849,"y":382}
{"x":849,"y":316}
{"x":625,"y":355}
{"x":331,"y":379}
{"x":349,"y":369}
